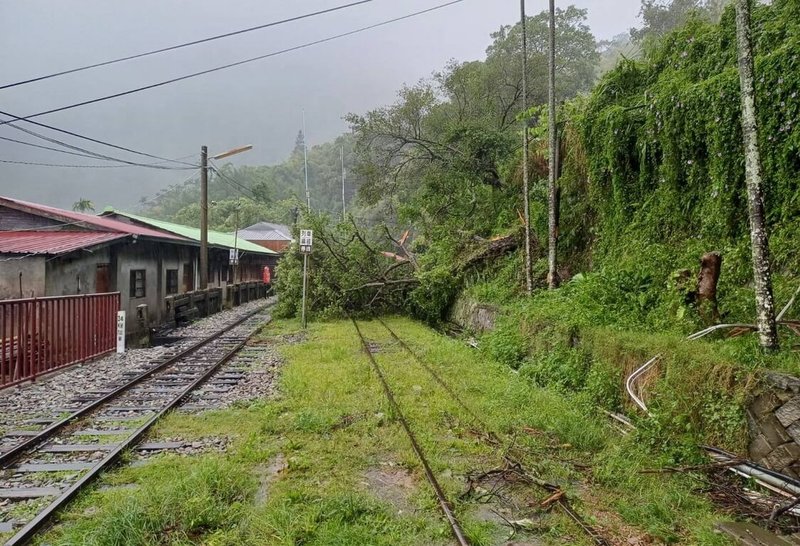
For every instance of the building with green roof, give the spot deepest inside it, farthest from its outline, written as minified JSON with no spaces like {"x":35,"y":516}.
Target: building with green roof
{"x":253,"y":259}
{"x":215,"y":238}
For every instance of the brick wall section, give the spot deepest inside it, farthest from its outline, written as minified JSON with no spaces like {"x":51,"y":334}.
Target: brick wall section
{"x":774,"y":423}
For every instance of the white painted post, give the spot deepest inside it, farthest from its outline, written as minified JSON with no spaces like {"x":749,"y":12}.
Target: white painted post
{"x":306,"y":242}
{"x":120,"y":332}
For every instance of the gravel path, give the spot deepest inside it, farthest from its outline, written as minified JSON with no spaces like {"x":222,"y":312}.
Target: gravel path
{"x":45,"y":397}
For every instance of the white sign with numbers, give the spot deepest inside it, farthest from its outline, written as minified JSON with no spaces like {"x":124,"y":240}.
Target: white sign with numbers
{"x":306,"y":240}
{"x":120,"y":332}
{"x":233,"y":256}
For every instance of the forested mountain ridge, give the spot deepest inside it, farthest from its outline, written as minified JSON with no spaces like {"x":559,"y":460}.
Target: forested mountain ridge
{"x":263,"y":193}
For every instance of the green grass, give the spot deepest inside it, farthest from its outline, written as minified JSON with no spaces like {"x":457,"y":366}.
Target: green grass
{"x":334,"y":429}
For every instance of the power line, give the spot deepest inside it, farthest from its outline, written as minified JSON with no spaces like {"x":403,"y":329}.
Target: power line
{"x":233,"y":183}
{"x":226,"y":66}
{"x":90,"y":155}
{"x":186,"y":44}
{"x":68,"y":165}
{"x":45,"y":147}
{"x":83,"y":137}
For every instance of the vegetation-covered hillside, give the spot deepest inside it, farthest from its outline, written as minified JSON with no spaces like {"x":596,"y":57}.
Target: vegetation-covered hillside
{"x":651,"y":177}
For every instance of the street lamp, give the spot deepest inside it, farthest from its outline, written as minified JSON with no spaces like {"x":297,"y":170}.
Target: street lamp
{"x":204,"y":206}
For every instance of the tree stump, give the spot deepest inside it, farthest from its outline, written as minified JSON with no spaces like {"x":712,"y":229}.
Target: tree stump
{"x":710,"y":268}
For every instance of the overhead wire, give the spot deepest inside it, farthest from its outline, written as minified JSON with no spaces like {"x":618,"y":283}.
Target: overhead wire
{"x":229,"y":65}
{"x":186,"y":44}
{"x":88,"y":155}
{"x":38,"y":164}
{"x":102,"y":156}
{"x":34,"y":145}
{"x":233,"y":183}
{"x":83,"y":137}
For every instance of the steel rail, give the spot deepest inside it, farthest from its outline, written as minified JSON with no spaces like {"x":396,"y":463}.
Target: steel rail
{"x":24,"y":535}
{"x":9,"y":457}
{"x":563,"y":503}
{"x":444,"y":504}
{"x":439,"y":380}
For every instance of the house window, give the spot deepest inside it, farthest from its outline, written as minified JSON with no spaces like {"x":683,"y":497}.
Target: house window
{"x":137,"y":283}
{"x":172,"y":281}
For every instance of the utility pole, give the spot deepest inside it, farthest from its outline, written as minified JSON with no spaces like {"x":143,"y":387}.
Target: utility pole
{"x":344,"y":206}
{"x":203,"y":217}
{"x":236,"y":245}
{"x":525,"y":147}
{"x":759,"y":240}
{"x":305,"y":163}
{"x":552,"y":213}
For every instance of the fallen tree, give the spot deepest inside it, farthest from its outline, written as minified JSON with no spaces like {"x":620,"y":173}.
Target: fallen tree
{"x":355,"y":269}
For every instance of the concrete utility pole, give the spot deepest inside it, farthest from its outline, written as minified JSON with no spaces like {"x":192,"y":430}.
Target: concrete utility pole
{"x":552,"y":213}
{"x":344,"y":206}
{"x":204,"y":206}
{"x":203,"y":217}
{"x":305,"y":163}
{"x":236,"y":245}
{"x":525,"y":149}
{"x":759,"y":241}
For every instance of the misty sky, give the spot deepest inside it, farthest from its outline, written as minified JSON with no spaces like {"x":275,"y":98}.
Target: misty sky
{"x":257,"y":104}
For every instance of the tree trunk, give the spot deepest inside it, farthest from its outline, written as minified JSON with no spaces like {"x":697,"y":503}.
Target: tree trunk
{"x":525,"y":147}
{"x":765,"y":306}
{"x":552,"y":217}
{"x":710,"y":268}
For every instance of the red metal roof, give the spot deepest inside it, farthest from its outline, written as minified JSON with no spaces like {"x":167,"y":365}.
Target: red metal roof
{"x":52,"y":242}
{"x":88,"y":220}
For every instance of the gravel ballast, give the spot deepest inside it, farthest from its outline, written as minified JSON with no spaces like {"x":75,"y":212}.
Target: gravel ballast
{"x":49,"y":396}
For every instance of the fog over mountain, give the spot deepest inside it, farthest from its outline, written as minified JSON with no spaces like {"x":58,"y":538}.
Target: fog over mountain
{"x":258,"y":103}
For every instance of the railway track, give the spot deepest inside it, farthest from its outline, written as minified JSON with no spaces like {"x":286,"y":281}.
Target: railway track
{"x":444,"y":503}
{"x":487,"y":435}
{"x":54,"y":463}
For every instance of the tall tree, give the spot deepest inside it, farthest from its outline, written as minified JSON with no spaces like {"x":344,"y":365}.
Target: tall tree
{"x":765,"y":305}
{"x":659,"y":17}
{"x":526,"y":198}
{"x":552,"y":214}
{"x":83,"y":205}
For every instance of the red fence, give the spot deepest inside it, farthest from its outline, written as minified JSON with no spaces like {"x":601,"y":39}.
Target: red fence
{"x":43,"y":334}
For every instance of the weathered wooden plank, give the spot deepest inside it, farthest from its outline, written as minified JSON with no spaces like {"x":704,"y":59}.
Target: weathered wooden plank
{"x":74,"y":448}
{"x":40,"y":421}
{"x":53,"y":467}
{"x":29,"y":492}
{"x":94,"y":432}
{"x":158,"y":446}
{"x":21,"y":433}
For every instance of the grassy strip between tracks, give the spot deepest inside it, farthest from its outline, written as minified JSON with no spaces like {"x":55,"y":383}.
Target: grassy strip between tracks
{"x":327,"y":462}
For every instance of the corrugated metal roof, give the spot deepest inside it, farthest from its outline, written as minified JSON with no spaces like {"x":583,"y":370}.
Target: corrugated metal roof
{"x":215,"y":238}
{"x":266,"y":231}
{"x":266,"y":235}
{"x":52,"y":242}
{"x":71,"y":217}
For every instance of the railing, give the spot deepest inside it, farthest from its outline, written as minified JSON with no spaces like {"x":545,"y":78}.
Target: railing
{"x":40,"y":335}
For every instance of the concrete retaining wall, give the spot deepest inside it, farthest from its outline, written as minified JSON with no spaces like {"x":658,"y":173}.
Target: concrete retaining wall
{"x":473,"y":316}
{"x":774,"y":424}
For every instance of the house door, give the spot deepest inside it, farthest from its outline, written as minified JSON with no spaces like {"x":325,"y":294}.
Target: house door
{"x":188,"y":277}
{"x":102,"y":280}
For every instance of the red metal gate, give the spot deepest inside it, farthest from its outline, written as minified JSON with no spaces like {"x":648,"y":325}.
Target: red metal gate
{"x":39,"y":335}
